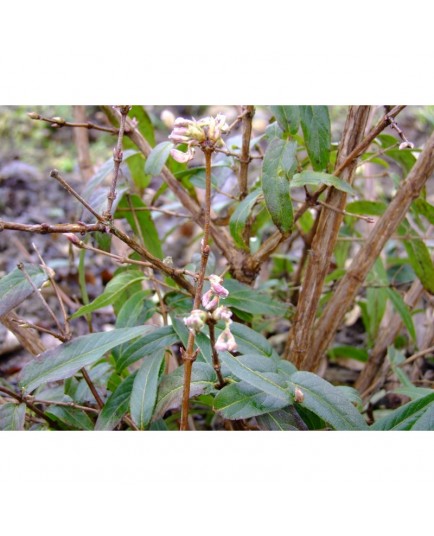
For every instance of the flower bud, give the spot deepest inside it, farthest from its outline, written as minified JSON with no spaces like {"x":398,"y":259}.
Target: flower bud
{"x":59,"y":120}
{"x":216,"y":287}
{"x":298,"y":395}
{"x":181,"y":157}
{"x":226,"y":341}
{"x":406,"y":145}
{"x":209,"y":300}
{"x":74,"y":240}
{"x":34,"y":115}
{"x":222,"y":313}
{"x":196,"y":320}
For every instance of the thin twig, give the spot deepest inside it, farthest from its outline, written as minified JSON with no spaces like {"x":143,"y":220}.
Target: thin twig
{"x":56,"y":175}
{"x":23,"y":399}
{"x":189,"y":355}
{"x":47,"y":228}
{"x":215,"y":356}
{"x":117,"y":159}
{"x":59,"y":122}
{"x":245,"y":150}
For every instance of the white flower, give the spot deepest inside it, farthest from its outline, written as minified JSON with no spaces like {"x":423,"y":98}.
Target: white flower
{"x":226,"y":341}
{"x":196,"y":320}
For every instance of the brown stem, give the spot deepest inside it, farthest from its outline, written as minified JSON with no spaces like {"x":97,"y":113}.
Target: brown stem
{"x":347,"y":288}
{"x":92,"y":387}
{"x":273,"y":242}
{"x":117,"y":159}
{"x":46,"y":228}
{"x":324,"y":242}
{"x":81,"y":137}
{"x":30,"y":405}
{"x":28,"y":337}
{"x":56,"y":175}
{"x":189,"y":356}
{"x":215,"y":355}
{"x":62,"y":123}
{"x":245,"y":150}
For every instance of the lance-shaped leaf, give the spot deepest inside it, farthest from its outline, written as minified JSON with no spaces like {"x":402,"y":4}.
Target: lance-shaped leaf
{"x":326,"y":401}
{"x":288,"y":117}
{"x":278,"y":166}
{"x":203,"y":379}
{"x":403,"y":310}
{"x":250,"y":341}
{"x":144,"y":394}
{"x":68,"y":358}
{"x":242,"y":400}
{"x":420,"y":260}
{"x":317,"y":178}
{"x":315,"y":123}
{"x":237,"y":223}
{"x":73,"y":418}
{"x":12,"y":416}
{"x":116,"y":405}
{"x":113,"y":291}
{"x":259,"y":371}
{"x":416,"y":415}
{"x":281,"y":420}
{"x":157,"y":158}
{"x":251,"y":301}
{"x":152,"y":342}
{"x":15,"y":288}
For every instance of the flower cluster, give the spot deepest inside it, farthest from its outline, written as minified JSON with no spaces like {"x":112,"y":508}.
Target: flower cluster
{"x":215,"y":312}
{"x":206,"y":131}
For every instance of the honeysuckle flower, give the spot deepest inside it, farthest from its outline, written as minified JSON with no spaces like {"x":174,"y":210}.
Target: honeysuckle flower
{"x":222,"y":313}
{"x":216,"y":287}
{"x":209,"y":300}
{"x":206,"y":131}
{"x":226,"y":341}
{"x":196,"y":320}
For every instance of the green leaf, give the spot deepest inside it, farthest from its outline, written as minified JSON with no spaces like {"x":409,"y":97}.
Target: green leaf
{"x":12,"y":416}
{"x":425,"y":209}
{"x":136,"y":164}
{"x":284,"y":419}
{"x":144,"y":394}
{"x":242,"y":400}
{"x":315,"y":123}
{"x":136,"y":310}
{"x":420,"y":260}
{"x":288,"y":117}
{"x":152,"y":342}
{"x":73,"y":418}
{"x":237,"y":223}
{"x":116,"y":405}
{"x":328,"y":402}
{"x":157,"y":158}
{"x":252,"y":342}
{"x":278,"y":166}
{"x":203,"y":379}
{"x":147,"y":232}
{"x":66,"y":359}
{"x":350,"y":352}
{"x":252,"y":301}
{"x":113,"y":291}
{"x":259,"y":371}
{"x":316,"y":178}
{"x":415,"y":415}
{"x":403,"y":310}
{"x":368,"y":208}
{"x":15,"y":288}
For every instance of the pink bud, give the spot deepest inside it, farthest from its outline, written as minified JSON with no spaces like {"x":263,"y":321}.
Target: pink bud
{"x":218,"y":289}
{"x":196,"y":320}
{"x":181,"y":157}
{"x":226,"y":341}
{"x":209,"y":300}
{"x":222,"y":313}
{"x":298,"y":395}
{"x":73,"y":239}
{"x":406,"y":145}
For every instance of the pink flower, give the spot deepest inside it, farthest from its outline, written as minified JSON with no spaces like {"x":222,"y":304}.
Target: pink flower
{"x":222,"y":313}
{"x":209,"y":300}
{"x":181,"y":157}
{"x":216,"y":287}
{"x":226,"y":341}
{"x":196,"y":320}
